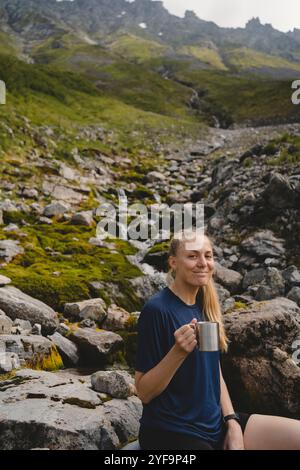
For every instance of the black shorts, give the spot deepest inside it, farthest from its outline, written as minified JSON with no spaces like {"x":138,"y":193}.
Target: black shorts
{"x":159,"y":439}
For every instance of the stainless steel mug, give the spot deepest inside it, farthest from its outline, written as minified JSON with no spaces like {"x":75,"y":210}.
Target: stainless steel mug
{"x":207,"y":335}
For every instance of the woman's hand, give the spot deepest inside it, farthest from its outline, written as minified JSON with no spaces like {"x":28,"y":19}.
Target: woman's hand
{"x":185,"y":337}
{"x":234,"y":437}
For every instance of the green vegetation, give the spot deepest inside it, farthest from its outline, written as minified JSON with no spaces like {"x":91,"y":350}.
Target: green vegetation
{"x":137,"y":48}
{"x":287,"y":149}
{"x":59,"y":263}
{"x":245,"y":58}
{"x":204,"y":54}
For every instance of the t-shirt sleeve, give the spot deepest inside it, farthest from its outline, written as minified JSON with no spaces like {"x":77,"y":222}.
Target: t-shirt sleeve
{"x":151,"y":342}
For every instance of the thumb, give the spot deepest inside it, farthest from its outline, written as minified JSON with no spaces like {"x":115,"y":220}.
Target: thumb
{"x":194,"y":321}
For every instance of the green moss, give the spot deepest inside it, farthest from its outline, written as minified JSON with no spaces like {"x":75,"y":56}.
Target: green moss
{"x":49,"y":362}
{"x":129,"y":348}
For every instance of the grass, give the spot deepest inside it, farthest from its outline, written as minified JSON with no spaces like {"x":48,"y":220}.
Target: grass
{"x":207,"y":55}
{"x":245,"y":58}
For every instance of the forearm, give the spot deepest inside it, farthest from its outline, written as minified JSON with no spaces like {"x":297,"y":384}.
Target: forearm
{"x":226,"y":403}
{"x":156,"y":380}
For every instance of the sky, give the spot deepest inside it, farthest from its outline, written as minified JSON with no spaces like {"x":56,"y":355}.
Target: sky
{"x":282,"y":14}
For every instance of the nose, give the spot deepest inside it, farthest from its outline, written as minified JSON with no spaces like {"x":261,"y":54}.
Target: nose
{"x":201,"y":261}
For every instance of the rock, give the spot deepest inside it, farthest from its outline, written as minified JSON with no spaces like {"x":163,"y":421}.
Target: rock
{"x":294,"y":294}
{"x":62,"y":329}
{"x":5,"y":324}
{"x":67,"y":172}
{"x":87,"y":323}
{"x":36,"y":329}
{"x":255,"y":276}
{"x":155,"y":176}
{"x":261,"y":376}
{"x":272,"y":285}
{"x":8,"y":362}
{"x":4,"y":280}
{"x":291,"y":275}
{"x":116,"y":319}
{"x":83,"y":218}
{"x":67,"y":349}
{"x":60,"y":412}
{"x":118,"y":384}
{"x":264,"y":244}
{"x":55,"y":209}
{"x":228,"y":278}
{"x":9,"y":249}
{"x":157,"y":259}
{"x":32,"y":350}
{"x":96,"y":347}
{"x":30,"y":193}
{"x":93,"y":309}
{"x":24,"y":326}
{"x":279,"y":194}
{"x":124,"y":416}
{"x":67,"y":194}
{"x":16,"y":304}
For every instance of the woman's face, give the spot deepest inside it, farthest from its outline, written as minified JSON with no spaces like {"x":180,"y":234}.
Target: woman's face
{"x":193,"y":266}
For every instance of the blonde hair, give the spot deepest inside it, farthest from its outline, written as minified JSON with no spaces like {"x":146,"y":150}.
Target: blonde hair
{"x":207,"y":296}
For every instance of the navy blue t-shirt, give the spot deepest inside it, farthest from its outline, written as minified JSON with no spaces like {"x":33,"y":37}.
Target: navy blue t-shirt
{"x":190,"y":404}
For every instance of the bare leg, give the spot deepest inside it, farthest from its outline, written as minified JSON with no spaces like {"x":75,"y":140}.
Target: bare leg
{"x":265,"y":432}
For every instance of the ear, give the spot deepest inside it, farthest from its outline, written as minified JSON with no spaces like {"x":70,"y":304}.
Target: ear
{"x":172,"y":262}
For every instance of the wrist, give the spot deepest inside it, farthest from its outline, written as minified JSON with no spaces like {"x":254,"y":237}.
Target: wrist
{"x":231,"y":420}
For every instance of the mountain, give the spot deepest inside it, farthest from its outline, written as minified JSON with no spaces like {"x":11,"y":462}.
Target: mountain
{"x":99,"y":21}
{"x":138,"y":55}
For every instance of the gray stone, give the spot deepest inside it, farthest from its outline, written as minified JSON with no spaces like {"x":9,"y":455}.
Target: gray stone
{"x":258,"y":368}
{"x":255,"y":276}
{"x":228,"y":278}
{"x":116,"y":318}
{"x":294,"y":294}
{"x":124,"y":416}
{"x":23,"y":325}
{"x":118,"y":384}
{"x":279,"y":193}
{"x":67,"y":349}
{"x":292,"y":276}
{"x":4,"y":281}
{"x":264,"y":244}
{"x":30,"y":349}
{"x":5,"y":324}
{"x":56,"y":208}
{"x":272,"y":286}
{"x":16,"y":304}
{"x":62,"y":329}
{"x":36,"y":329}
{"x":83,"y":218}
{"x":96,"y":347}
{"x":94,"y":309}
{"x":9,"y":249}
{"x":8,"y":362}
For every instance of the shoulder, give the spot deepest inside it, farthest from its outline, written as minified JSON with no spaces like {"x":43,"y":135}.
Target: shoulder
{"x":156,"y":305}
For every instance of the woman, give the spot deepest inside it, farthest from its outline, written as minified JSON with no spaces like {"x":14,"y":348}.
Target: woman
{"x":186,"y":404}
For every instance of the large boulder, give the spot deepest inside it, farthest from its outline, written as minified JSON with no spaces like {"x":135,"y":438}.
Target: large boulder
{"x":16,"y":304}
{"x":60,"y":412}
{"x":96,"y":347}
{"x":264,"y":244}
{"x":118,"y":384}
{"x":67,"y":349}
{"x":258,"y":369}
